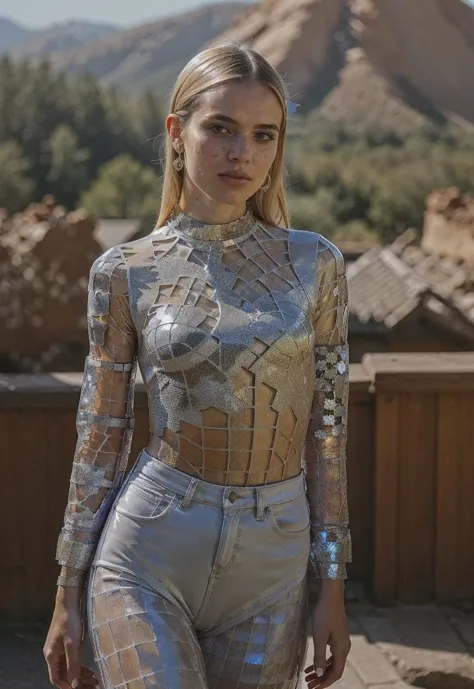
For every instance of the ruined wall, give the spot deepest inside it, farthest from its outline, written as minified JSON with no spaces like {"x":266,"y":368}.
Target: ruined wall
{"x":45,"y":258}
{"x":449,"y":225}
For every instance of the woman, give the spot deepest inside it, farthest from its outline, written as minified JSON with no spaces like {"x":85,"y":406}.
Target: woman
{"x":239,"y":326}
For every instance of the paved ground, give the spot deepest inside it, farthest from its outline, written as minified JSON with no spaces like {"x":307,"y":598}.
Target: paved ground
{"x":392,"y":648}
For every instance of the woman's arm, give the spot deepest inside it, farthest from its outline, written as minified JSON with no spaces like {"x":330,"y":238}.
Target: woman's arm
{"x":104,"y":420}
{"x":326,"y":470}
{"x":326,"y":451}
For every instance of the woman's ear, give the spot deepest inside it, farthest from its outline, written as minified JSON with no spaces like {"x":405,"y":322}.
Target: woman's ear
{"x":174,"y":129}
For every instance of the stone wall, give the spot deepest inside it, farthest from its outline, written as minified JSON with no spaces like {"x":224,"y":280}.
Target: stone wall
{"x":45,"y":258}
{"x":449,"y":225}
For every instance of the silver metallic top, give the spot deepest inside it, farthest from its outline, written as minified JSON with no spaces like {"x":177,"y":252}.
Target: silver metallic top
{"x":240,"y":332}
{"x":191,"y":228}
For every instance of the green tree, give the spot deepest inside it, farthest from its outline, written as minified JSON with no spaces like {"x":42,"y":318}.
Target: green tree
{"x":150,"y":124}
{"x":16,"y":188}
{"x":124,"y":189}
{"x":67,"y":173}
{"x":92,"y":124}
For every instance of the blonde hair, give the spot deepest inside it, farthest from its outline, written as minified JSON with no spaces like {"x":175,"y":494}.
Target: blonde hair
{"x":220,"y":64}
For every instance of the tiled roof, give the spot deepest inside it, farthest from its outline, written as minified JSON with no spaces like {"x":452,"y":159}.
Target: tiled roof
{"x":387,"y":284}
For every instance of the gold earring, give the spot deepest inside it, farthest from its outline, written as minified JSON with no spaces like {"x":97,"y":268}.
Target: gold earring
{"x":178,"y":163}
{"x":266,"y":185}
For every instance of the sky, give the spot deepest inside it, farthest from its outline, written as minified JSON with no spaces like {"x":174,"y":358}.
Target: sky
{"x":40,"y":13}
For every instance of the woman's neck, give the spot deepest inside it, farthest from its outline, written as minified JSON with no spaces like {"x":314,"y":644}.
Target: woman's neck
{"x":208,"y":211}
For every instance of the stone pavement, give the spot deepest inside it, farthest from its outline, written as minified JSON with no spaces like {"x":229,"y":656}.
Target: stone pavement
{"x":392,"y":648}
{"x":399,"y":647}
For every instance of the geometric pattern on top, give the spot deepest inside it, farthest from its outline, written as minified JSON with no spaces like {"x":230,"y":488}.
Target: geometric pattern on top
{"x":230,"y":334}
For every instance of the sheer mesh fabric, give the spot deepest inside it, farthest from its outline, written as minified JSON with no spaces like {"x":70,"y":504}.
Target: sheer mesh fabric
{"x":231,"y":334}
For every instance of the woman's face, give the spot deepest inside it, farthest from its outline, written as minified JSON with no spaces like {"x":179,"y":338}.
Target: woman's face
{"x":230,"y":142}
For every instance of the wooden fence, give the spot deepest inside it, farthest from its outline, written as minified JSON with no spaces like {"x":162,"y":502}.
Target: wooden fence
{"x":410,"y":472}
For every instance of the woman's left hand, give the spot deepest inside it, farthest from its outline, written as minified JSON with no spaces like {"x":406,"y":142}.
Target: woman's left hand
{"x":330,"y":628}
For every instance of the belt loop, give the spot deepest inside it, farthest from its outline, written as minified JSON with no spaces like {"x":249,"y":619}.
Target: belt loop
{"x":186,"y":501}
{"x":260,"y":511}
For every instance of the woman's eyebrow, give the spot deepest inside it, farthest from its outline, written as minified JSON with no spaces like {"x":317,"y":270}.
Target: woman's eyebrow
{"x":230,"y":120}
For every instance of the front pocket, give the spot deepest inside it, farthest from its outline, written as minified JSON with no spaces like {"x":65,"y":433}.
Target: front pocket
{"x":141,"y":504}
{"x":291,"y":519}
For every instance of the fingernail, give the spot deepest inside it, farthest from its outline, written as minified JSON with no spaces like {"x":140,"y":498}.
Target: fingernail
{"x":319,"y":671}
{"x":74,"y":683}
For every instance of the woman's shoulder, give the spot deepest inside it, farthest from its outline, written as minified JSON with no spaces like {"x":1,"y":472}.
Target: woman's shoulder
{"x":118,"y":257}
{"x":316,"y":243}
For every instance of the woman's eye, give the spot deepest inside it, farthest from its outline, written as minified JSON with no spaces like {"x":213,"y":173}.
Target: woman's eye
{"x":218,"y":128}
{"x":268,"y":137}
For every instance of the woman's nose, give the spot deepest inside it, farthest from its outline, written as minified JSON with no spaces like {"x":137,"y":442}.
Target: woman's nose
{"x":240,"y":149}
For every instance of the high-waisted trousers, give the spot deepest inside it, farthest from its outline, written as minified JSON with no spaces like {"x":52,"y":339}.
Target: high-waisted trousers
{"x":199,"y":586}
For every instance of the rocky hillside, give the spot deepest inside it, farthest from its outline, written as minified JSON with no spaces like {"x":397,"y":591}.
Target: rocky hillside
{"x":151,"y":55}
{"x":29,"y":43}
{"x":383,"y":59}
{"x":398,"y":62}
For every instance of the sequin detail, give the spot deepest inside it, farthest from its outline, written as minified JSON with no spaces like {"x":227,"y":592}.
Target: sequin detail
{"x":142,"y":640}
{"x":332,"y":366}
{"x":228,"y":332}
{"x":104,"y":419}
{"x":326,"y":461}
{"x":192,"y":228}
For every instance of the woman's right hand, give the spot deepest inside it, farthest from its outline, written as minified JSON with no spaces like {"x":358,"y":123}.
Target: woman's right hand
{"x":62,"y":650}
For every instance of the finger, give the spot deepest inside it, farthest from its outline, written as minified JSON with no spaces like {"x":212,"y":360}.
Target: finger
{"x":88,"y":676}
{"x":89,"y":682}
{"x":312,"y":679}
{"x":319,"y":662}
{"x":56,"y":669}
{"x":336,"y":669}
{"x":310,"y":668}
{"x":72,"y":663}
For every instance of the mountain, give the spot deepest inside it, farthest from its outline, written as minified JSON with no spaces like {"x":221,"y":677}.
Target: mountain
{"x":11,"y":34}
{"x":24,"y":43}
{"x":150,"y":55}
{"x":396,"y":62}
{"x":383,"y":60}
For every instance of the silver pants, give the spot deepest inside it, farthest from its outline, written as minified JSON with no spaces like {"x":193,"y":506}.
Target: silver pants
{"x":200,"y":586}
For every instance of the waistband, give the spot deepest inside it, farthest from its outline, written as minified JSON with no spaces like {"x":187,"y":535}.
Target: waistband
{"x":194,"y":489}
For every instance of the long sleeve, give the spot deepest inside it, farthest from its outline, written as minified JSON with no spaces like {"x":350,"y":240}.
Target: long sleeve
{"x":104,"y":419}
{"x":326,"y":450}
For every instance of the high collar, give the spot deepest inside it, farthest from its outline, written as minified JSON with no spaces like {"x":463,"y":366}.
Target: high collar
{"x":205,"y":232}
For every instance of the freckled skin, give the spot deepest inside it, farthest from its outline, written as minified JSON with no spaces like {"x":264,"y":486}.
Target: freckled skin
{"x":213,"y":147}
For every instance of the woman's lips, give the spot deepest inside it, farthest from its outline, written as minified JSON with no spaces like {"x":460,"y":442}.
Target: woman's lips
{"x":234,"y":181}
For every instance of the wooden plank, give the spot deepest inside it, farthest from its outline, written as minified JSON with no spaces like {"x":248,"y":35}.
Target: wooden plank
{"x":12,"y":509}
{"x":360,"y":478}
{"x":465,"y":525}
{"x":422,"y":371}
{"x":60,"y":442}
{"x":447,"y":504}
{"x":31,"y":428}
{"x":12,"y":594}
{"x":387,"y":435}
{"x":416,"y":516}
